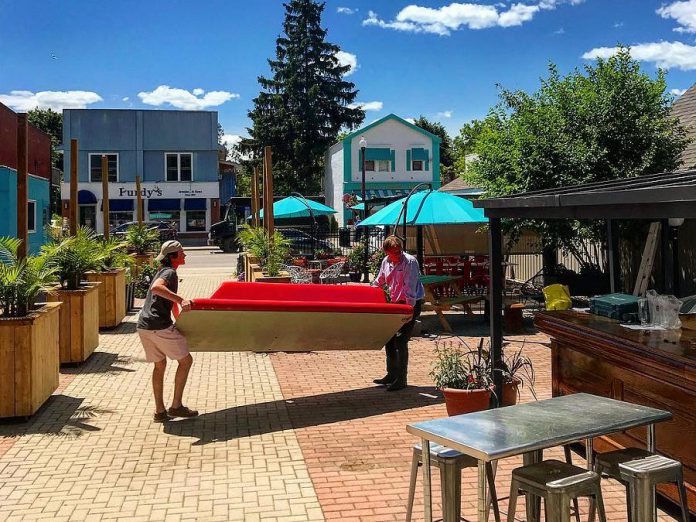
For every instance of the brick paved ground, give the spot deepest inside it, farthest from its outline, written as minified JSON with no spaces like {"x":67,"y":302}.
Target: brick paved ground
{"x":281,"y":437}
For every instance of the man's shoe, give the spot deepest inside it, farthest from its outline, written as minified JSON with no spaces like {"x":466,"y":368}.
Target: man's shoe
{"x":161,"y":416}
{"x":396,"y":386}
{"x":182,"y":411}
{"x":384,"y":381}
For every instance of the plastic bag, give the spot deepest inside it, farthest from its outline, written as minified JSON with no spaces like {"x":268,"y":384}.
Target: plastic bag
{"x":557,"y":297}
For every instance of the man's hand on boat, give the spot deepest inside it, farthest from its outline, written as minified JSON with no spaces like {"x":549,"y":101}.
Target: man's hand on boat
{"x":185,"y":305}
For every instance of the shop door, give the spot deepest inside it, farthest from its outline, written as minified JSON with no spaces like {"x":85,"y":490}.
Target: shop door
{"x":88,"y":216}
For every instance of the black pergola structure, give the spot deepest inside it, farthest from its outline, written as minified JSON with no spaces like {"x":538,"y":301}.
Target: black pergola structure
{"x":651,"y":197}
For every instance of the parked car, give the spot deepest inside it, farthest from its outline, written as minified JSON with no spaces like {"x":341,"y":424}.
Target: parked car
{"x":166,"y":230}
{"x":301,"y":242}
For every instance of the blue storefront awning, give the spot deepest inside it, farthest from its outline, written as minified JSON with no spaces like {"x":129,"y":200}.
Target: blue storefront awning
{"x":194,"y":204}
{"x":121,"y":205}
{"x":164,"y":204}
{"x":86,"y":197}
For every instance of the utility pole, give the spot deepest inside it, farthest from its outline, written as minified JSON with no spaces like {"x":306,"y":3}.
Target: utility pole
{"x":255,"y":197}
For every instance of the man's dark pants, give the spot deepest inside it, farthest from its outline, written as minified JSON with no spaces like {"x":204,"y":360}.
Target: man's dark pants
{"x":397,"y":349}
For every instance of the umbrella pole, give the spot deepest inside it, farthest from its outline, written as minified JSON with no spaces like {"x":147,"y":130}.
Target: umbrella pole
{"x":419,"y":246}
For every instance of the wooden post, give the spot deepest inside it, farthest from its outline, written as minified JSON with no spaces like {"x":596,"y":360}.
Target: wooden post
{"x":138,"y":201}
{"x":105,"y":194}
{"x":495,"y":303}
{"x":268,"y":190}
{"x":73,"y":187}
{"x":22,"y":184}
{"x":255,"y":198}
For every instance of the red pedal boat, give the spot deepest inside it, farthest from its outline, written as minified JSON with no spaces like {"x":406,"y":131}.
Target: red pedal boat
{"x":268,"y":317}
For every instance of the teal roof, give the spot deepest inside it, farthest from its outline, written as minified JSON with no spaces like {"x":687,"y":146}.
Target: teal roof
{"x":353,"y":134}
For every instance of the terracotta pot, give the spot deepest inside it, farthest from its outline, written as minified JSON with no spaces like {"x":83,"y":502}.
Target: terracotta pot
{"x":459,"y":402}
{"x":510,"y":393}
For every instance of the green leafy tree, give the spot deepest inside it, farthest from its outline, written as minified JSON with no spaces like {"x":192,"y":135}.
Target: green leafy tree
{"x":304,"y":104}
{"x":51,"y":122}
{"x":609,"y":121}
{"x":446,"y":157}
{"x":464,"y":145}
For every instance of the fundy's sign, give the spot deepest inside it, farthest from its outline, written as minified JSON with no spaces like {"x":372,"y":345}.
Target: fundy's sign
{"x":166,"y":190}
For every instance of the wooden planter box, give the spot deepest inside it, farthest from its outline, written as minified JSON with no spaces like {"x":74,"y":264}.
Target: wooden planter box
{"x":79,"y":321}
{"x":141,"y":259}
{"x":284,"y":277}
{"x":28,"y":361}
{"x":112,"y":296}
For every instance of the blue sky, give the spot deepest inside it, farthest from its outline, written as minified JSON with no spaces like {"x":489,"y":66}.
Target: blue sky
{"x":431,"y":57}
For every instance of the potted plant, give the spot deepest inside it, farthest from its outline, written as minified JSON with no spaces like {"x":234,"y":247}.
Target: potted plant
{"x":29,"y":362}
{"x":271,"y":252}
{"x":144,"y":242}
{"x":356,"y":263}
{"x":112,"y":276}
{"x":464,"y":376}
{"x":79,"y":316}
{"x":517,"y":370}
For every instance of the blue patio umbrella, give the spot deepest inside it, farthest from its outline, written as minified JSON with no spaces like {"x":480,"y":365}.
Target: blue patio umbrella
{"x":294,"y":207}
{"x":428,"y":207}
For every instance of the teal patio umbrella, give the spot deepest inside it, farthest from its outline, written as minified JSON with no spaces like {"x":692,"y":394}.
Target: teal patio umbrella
{"x":295,"y":207}
{"x":427,"y":207}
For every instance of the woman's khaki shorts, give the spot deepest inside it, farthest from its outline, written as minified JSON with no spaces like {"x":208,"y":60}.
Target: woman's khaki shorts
{"x":159,"y":344}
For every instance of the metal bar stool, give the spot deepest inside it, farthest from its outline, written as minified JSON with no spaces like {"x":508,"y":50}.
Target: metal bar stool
{"x":557,"y":483}
{"x":450,"y":463}
{"x":640,"y":471}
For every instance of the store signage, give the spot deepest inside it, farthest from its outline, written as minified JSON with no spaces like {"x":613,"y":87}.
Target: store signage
{"x":168,"y":190}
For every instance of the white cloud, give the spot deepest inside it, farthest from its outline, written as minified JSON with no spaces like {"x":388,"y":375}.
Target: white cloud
{"x":367,"y":106}
{"x":198,"y":91}
{"x":24,"y":101}
{"x":443,"y":20}
{"x":125,"y":98}
{"x":444,"y":114}
{"x":677,"y":92}
{"x":667,"y":55}
{"x":346,"y":10}
{"x":683,"y":12}
{"x":412,"y":121}
{"x":350,"y":59}
{"x":183,"y":99}
{"x":560,"y":30}
{"x":618,"y":25}
{"x":230,"y":140}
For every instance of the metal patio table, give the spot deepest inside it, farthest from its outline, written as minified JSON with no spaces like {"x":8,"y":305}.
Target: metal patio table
{"x":527,"y":429}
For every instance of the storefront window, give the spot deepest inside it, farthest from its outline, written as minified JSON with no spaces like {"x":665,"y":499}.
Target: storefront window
{"x":119,"y":218}
{"x":88,"y":216}
{"x":195,"y":221}
{"x":169,"y":216}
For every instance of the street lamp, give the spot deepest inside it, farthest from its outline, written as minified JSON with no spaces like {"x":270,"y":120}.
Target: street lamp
{"x":366,"y":238}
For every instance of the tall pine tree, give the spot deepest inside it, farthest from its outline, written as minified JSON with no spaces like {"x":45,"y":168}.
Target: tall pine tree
{"x":305,"y":104}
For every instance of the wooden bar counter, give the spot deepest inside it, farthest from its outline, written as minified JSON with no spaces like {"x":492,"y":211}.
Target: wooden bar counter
{"x":596,"y":355}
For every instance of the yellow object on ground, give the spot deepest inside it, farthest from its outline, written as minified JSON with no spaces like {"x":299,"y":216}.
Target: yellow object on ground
{"x":557,"y":297}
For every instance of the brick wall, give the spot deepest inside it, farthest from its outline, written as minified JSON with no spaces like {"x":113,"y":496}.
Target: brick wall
{"x":39,"y":145}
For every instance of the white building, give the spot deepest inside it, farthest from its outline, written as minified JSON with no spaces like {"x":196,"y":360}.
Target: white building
{"x":398,"y":156}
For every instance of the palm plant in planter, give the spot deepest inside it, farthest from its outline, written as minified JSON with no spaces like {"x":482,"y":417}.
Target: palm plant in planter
{"x":517,"y":370}
{"x":464,"y":376}
{"x":271,"y":251}
{"x":30,"y":360}
{"x":112,"y":275}
{"x":356,"y":262}
{"x":74,"y":256}
{"x":21,"y":281}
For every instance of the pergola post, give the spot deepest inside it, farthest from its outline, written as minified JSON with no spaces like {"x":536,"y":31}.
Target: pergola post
{"x":667,"y":257}
{"x":22,"y":184}
{"x":495,"y":245}
{"x":419,"y":246}
{"x":613,"y":256}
